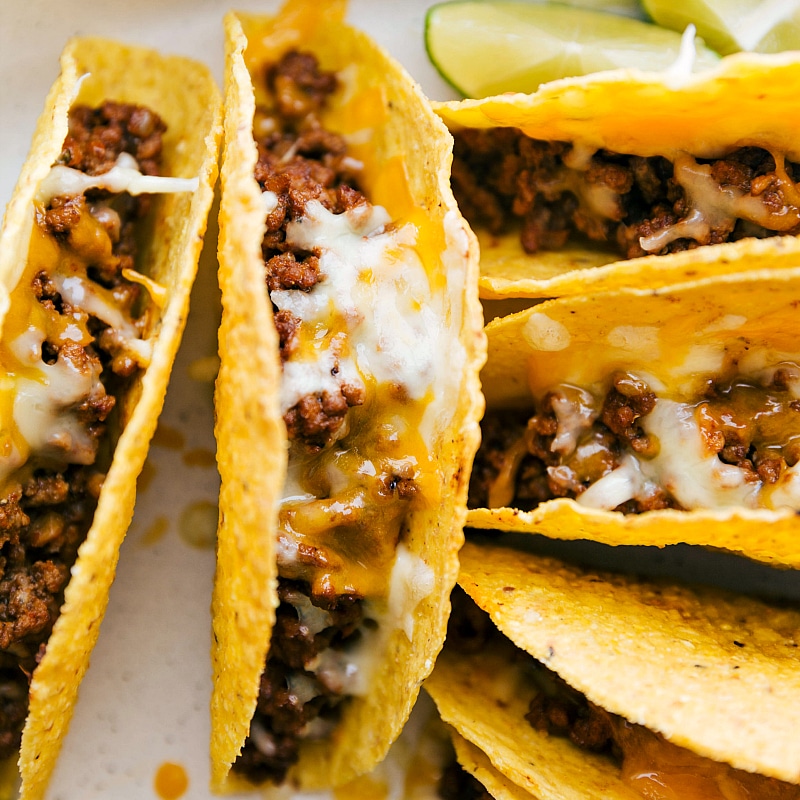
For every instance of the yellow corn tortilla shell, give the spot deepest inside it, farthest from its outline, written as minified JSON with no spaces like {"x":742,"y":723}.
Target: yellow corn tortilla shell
{"x":183,"y":93}
{"x":747,"y":99}
{"x":477,"y":763}
{"x":406,"y":151}
{"x":485,"y":697}
{"x":679,"y":334}
{"x":714,"y":672}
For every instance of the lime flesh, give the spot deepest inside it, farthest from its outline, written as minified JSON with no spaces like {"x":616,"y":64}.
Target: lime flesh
{"x":763,"y":26}
{"x":486,"y":48}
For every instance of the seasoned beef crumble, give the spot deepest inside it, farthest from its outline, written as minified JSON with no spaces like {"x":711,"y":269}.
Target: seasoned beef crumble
{"x":502,"y":177}
{"x":291,"y":697}
{"x":525,"y":460}
{"x":299,"y":161}
{"x":46,"y":507}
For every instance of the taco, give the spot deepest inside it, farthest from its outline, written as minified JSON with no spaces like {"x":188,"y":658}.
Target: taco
{"x":347,"y":399}
{"x":648,"y":417}
{"x":612,"y":687}
{"x":95,"y":276}
{"x":625,"y":176}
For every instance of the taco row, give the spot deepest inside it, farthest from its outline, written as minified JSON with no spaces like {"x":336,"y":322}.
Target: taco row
{"x":651,"y":401}
{"x":660,"y":407}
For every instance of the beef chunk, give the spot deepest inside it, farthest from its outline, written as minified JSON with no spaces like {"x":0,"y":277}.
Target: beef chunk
{"x":97,"y":136}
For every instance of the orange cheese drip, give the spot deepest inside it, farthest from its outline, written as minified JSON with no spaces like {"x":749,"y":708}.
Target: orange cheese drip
{"x":659,"y":770}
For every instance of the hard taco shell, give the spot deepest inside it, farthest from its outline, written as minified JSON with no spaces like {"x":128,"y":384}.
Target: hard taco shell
{"x":713,"y":672}
{"x":183,"y":93}
{"x":405,"y":150}
{"x":748,"y":99}
{"x":683,"y":335}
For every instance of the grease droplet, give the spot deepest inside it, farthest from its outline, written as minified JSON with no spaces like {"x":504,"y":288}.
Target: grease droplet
{"x":158,"y":527}
{"x":168,"y":437}
{"x":146,"y":476}
{"x":198,"y":524}
{"x":171,"y":781}
{"x":204,"y":369}
{"x":199,"y":457}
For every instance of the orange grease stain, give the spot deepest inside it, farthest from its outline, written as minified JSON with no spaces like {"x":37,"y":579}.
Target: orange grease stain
{"x":199,"y":457}
{"x":171,"y":781}
{"x":170,"y":438}
{"x":155,"y":532}
{"x":198,"y":525}
{"x":146,"y":477}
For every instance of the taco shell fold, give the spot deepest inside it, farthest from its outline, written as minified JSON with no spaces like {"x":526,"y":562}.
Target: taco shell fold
{"x":183,"y":93}
{"x":745,"y":101}
{"x":402,"y":151}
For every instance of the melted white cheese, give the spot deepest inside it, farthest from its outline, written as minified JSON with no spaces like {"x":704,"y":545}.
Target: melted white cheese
{"x":574,"y":410}
{"x":715,"y":207}
{"x":374,"y":285}
{"x":124,"y":176}
{"x":45,"y":417}
{"x":684,"y":466}
{"x":786,"y":493}
{"x":411,"y":581}
{"x":349,"y":672}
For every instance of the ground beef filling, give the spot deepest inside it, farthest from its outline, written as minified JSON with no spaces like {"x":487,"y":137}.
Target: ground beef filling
{"x":574,"y":439}
{"x":299,"y":161}
{"x":298,"y":697}
{"x":652,"y":766}
{"x":47,"y":505}
{"x":638,"y":206}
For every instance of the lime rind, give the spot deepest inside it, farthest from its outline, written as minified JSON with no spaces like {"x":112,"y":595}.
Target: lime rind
{"x":485,"y":48}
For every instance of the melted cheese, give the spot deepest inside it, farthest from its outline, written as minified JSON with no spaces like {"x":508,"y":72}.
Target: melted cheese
{"x":373,"y":320}
{"x":410,"y":582}
{"x":374,"y":289}
{"x":715,"y":207}
{"x":682,"y":461}
{"x":40,"y":401}
{"x":124,"y":176}
{"x":659,"y":770}
{"x":684,"y":466}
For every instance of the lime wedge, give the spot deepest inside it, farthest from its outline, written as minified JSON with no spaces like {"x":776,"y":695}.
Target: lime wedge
{"x":485,"y":48}
{"x":763,"y":26}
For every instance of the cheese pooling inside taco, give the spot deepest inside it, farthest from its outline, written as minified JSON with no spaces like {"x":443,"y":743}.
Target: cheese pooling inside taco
{"x":557,"y":192}
{"x":72,"y":341}
{"x":623,"y":447}
{"x":363,"y":353}
{"x":650,"y":765}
